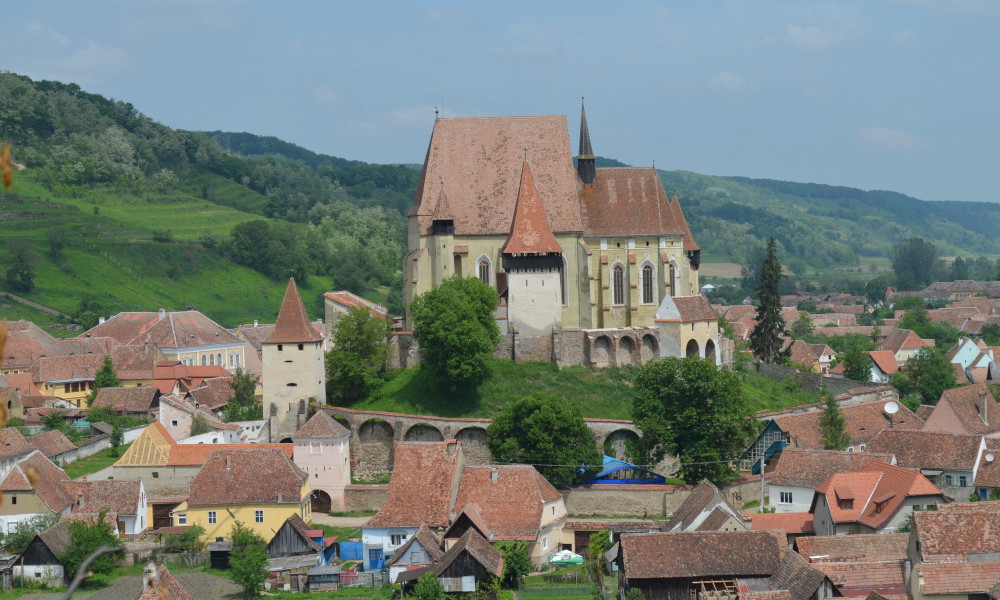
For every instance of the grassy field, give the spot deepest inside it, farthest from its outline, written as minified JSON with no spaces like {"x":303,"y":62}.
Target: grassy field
{"x":93,"y":464}
{"x":111,"y":257}
{"x":767,"y":395}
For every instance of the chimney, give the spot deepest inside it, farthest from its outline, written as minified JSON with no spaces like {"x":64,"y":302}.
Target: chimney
{"x":80,"y":501}
{"x":229,"y":463}
{"x":100,"y":320}
{"x":163,"y":313}
{"x":255,"y":322}
{"x":984,"y":400}
{"x":494,"y":474}
{"x":452,"y":447}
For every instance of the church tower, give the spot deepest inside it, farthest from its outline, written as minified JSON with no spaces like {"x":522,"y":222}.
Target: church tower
{"x":294,"y":370}
{"x":586,"y":162}
{"x":533,"y":260}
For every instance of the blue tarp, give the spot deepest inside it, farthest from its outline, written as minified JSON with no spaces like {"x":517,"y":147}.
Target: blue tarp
{"x":613,"y":465}
{"x":351,"y":551}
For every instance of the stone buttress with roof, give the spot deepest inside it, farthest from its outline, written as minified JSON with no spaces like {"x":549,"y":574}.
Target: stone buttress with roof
{"x":583,"y":259}
{"x":294,"y":371}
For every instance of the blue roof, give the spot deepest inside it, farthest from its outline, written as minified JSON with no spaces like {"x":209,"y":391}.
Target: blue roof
{"x":613,"y":465}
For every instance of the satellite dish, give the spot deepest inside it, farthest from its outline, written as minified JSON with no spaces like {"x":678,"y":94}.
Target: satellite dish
{"x":891,"y":408}
{"x":989,"y":458}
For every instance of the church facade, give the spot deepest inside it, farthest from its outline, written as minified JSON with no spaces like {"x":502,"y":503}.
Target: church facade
{"x":581,"y":249}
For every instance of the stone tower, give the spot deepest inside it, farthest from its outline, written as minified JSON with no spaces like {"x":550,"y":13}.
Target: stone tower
{"x":294,"y":370}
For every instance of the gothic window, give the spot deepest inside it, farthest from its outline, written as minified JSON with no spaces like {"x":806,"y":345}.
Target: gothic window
{"x":563,"y":274}
{"x":211,"y":359}
{"x":647,"y":284}
{"x":483,"y":270}
{"x":618,"y":284}
{"x":204,"y":360}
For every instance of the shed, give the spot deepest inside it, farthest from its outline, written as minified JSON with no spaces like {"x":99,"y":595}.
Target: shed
{"x":323,"y":578}
{"x":289,"y":573}
{"x":218,"y":555}
{"x":292,"y":539}
{"x":39,"y":561}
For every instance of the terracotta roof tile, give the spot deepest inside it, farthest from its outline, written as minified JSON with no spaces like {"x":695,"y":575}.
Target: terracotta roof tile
{"x":795,"y":522}
{"x":56,"y":538}
{"x":703,"y":497}
{"x":321,"y":426}
{"x":885,"y":360}
{"x":234,"y":477}
{"x":293,"y":323}
{"x":162,"y":585}
{"x":878,"y":490}
{"x":960,"y":410}
{"x":423,"y":486}
{"x":13,"y":443}
{"x":510,"y":498}
{"x":959,"y":578}
{"x":628,"y":201}
{"x":38,"y":474}
{"x":117,"y":496}
{"x":862,"y":422}
{"x":135,"y":399}
{"x":681,"y":223}
{"x":904,"y":339}
{"x":196,"y":454}
{"x":955,"y":531}
{"x":988,"y":474}
{"x":52,"y":443}
{"x":916,"y":449}
{"x":530,"y":232}
{"x":701,"y":554}
{"x":476,"y":547}
{"x":351,"y":300}
{"x":427,"y":540}
{"x":179,"y":329}
{"x":212,"y":394}
{"x":854,"y":548}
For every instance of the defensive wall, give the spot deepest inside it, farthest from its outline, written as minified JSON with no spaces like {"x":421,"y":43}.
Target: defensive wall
{"x":374,"y":435}
{"x":811,"y":382}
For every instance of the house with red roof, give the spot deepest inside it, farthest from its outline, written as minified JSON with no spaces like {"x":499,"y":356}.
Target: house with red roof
{"x":970,"y":409}
{"x":861,"y":564}
{"x":884,"y":365}
{"x":33,"y":487}
{"x":874,"y":499}
{"x":338,"y":304}
{"x":955,"y":551}
{"x":798,"y":472}
{"x":949,"y":460}
{"x":904,"y":345}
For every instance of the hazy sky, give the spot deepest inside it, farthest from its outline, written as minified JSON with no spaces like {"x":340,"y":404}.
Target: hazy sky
{"x":878,"y":94}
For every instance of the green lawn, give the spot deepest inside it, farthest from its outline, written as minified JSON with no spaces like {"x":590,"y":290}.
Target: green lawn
{"x":343,"y":533}
{"x":767,"y":395}
{"x":93,"y":464}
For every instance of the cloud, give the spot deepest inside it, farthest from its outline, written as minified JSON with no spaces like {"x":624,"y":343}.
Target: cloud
{"x":811,"y":37}
{"x":727,"y":81}
{"x":889,"y":138}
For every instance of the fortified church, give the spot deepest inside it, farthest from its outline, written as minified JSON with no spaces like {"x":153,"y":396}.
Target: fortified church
{"x":594,"y":266}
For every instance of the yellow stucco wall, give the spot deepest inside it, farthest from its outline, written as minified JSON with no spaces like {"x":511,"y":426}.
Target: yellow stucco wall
{"x":225,"y":515}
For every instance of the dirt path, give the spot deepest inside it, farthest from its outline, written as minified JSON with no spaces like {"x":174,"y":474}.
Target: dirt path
{"x":39,"y":307}
{"x":201,"y":586}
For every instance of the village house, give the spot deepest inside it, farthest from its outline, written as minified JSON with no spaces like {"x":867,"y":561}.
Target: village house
{"x":883,"y":366}
{"x":796,"y":525}
{"x":948,"y":459}
{"x":27,"y":343}
{"x":338,"y":304}
{"x":34,"y":487}
{"x":799,"y":471}
{"x":71,"y":378}
{"x":230,"y":487}
{"x":954,"y":552}
{"x":423,"y":549}
{"x":14,"y":448}
{"x":721,"y":565}
{"x":969,"y":409}
{"x":211,"y":394}
{"x":471,"y":560}
{"x":40,"y":560}
{"x":138,"y":401}
{"x":123,"y":501}
{"x":860,"y":564}
{"x":987,"y":474}
{"x":904,"y":345}
{"x":874,"y":499}
{"x":322,"y":449}
{"x":174,"y":377}
{"x":706,"y":509}
{"x":53,"y":444}
{"x":181,"y":418}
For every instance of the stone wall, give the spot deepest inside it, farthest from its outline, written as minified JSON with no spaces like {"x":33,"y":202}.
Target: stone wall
{"x":811,"y":382}
{"x":625,"y":500}
{"x":403,"y":351}
{"x":365,"y":498}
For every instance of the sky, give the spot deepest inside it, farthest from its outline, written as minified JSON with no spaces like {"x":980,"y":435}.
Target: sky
{"x":900,"y":95}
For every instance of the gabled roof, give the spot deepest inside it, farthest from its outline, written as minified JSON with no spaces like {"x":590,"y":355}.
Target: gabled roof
{"x":510,"y":498}
{"x":135,"y":399}
{"x":427,"y":540}
{"x":321,"y":426}
{"x":861,"y":422}
{"x":212,"y":393}
{"x":234,"y":477}
{"x":477,"y":548}
{"x":961,"y":410}
{"x":470,"y":516}
{"x":704,"y":497}
{"x":151,"y":447}
{"x":530,"y":232}
{"x":56,"y":538}
{"x":117,"y":496}
{"x":701,"y":554}
{"x":295,"y":526}
{"x":808,"y":468}
{"x":161,"y":585}
{"x":630,"y":201}
{"x":13,"y":443}
{"x":39,"y":475}
{"x":903,"y":339}
{"x":856,"y":547}
{"x":423,"y":486}
{"x":350,"y":300}
{"x":52,"y":443}
{"x":293,"y":324}
{"x":885,"y":360}
{"x":685,"y":309}
{"x":988,"y":474}
{"x":877,"y":491}
{"x":802,"y":353}
{"x":955,"y":531}
{"x":181,"y":329}
{"x":917,"y":449}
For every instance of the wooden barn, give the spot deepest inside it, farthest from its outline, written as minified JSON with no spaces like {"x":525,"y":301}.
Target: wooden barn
{"x":470,"y":560}
{"x":292,"y":539}
{"x":39,"y":562}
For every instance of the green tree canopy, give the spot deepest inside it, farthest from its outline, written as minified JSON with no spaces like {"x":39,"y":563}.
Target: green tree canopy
{"x":86,"y":537}
{"x":105,"y":377}
{"x":516,"y":563}
{"x":913,"y":262}
{"x":766,"y":338}
{"x":690,"y":407}
{"x":358,"y":356}
{"x":546,"y":431}
{"x":831,"y":424}
{"x":928,"y":374}
{"x":428,"y":587}
{"x":875,"y":291}
{"x":454,"y":325}
{"x":857,"y":364}
{"x":17,"y":541}
{"x":248,"y":559}
{"x":959,"y":269}
{"x":21,"y":260}
{"x":243,"y":405}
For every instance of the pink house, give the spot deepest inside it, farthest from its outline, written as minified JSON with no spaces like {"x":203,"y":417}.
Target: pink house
{"x":322,"y":449}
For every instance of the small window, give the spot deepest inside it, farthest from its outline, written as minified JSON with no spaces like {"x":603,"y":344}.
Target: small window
{"x":786,"y":497}
{"x":302,"y":346}
{"x":281,"y":347}
{"x":948,"y":480}
{"x":963,"y":480}
{"x":182,"y":519}
{"x":553,"y":510}
{"x":13,"y":499}
{"x":258,"y":516}
{"x":212,"y":517}
{"x":545,"y":543}
{"x":173,"y":423}
{"x":156,"y":474}
{"x":397,"y":539}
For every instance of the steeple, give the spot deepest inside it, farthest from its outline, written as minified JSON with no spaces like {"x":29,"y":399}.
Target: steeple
{"x":586,"y":165}
{"x":293,"y":324}
{"x":530,"y":232}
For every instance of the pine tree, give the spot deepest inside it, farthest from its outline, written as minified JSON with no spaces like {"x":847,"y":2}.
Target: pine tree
{"x":766,"y":337}
{"x":831,"y":424}
{"x":105,"y":377}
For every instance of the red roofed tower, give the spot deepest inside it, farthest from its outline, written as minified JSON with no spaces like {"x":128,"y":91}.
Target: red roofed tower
{"x":533,"y":261}
{"x":294,"y":370}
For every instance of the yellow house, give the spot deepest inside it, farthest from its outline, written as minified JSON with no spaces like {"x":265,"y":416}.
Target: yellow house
{"x":260,"y":488}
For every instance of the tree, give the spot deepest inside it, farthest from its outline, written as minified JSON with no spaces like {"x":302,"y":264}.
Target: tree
{"x":117,"y":437}
{"x":765,"y":339}
{"x":428,"y":587}
{"x":17,"y":541}
{"x":875,"y":291}
{"x":690,"y":407}
{"x":959,"y":269}
{"x":928,"y":373}
{"x":105,"y":377}
{"x":57,"y":238}
{"x":598,"y":543}
{"x":803,"y":327}
{"x":546,"y":431}
{"x":247,"y":560}
{"x":516,"y":563}
{"x":913,"y":262}
{"x":857,"y":364}
{"x":454,"y":325}
{"x":359,"y":353}
{"x":87,"y":537}
{"x":21,"y":261}
{"x":831,"y":425}
{"x":199,"y":425}
{"x":750,"y":271}
{"x":242,"y":405}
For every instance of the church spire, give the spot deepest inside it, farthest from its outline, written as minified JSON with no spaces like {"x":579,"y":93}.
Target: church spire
{"x":530,"y":232}
{"x":586,"y":167}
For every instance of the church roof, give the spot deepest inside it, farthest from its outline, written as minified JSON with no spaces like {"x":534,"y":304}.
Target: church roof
{"x":586,"y":150}
{"x":477,"y":162}
{"x":293,"y":322}
{"x":321,"y":426}
{"x":529,"y":233}
{"x":629,"y":201}
{"x":689,"y":243}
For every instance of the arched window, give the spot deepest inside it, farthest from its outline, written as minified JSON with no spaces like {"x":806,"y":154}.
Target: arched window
{"x":204,"y":360}
{"x":484,"y":270}
{"x":218,"y":359}
{"x":563,"y":282}
{"x":647,"y":285}
{"x":618,"y":284}
{"x":211,"y":359}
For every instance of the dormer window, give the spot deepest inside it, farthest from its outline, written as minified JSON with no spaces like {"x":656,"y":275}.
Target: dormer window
{"x":443,"y":227}
{"x":845,"y":504}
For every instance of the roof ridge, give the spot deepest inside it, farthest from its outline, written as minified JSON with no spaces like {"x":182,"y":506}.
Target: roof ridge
{"x":292,"y":324}
{"x":530,"y":232}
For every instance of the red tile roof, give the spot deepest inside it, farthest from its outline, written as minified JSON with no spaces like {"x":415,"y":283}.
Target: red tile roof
{"x":988,"y":474}
{"x":795,"y":522}
{"x":630,"y":201}
{"x":917,"y":449}
{"x":135,"y":399}
{"x":861,"y":421}
{"x":180,"y":329}
{"x":234,"y":477}
{"x":321,"y":426}
{"x":961,"y":410}
{"x":885,"y":360}
{"x":39,"y":475}
{"x":52,"y":443}
{"x":424,"y":483}
{"x":351,"y":300}
{"x":293,"y":324}
{"x":13,"y":443}
{"x":955,"y":531}
{"x":854,"y":548}
{"x":512,"y":504}
{"x":212,"y":393}
{"x":808,"y":468}
{"x":117,"y":496}
{"x":530,"y":232}
{"x":961,"y":578}
{"x":877,"y":490}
